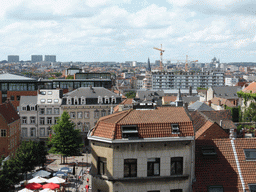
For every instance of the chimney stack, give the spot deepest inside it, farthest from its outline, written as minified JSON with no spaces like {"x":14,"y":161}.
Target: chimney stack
{"x":210,"y":103}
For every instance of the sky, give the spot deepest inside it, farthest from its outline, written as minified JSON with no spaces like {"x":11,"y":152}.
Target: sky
{"x":127,"y":30}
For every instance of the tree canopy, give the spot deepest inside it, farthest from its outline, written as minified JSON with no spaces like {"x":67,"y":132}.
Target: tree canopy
{"x":130,"y":94}
{"x":65,"y":140}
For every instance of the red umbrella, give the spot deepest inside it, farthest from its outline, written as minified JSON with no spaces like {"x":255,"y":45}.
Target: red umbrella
{"x":33,"y":186}
{"x":51,"y":186}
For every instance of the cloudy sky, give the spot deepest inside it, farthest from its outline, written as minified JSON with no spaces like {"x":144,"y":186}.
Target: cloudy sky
{"x":127,"y":30}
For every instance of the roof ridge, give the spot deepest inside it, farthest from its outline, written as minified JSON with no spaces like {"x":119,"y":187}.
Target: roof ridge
{"x":128,"y":112}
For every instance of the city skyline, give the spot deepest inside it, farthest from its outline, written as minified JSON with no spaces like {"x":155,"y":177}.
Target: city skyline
{"x":111,"y":30}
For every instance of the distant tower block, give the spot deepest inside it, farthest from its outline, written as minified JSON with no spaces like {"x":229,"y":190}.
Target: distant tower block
{"x":50,"y":58}
{"x":36,"y":58}
{"x":13,"y":58}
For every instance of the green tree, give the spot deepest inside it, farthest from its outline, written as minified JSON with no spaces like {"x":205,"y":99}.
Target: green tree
{"x":250,"y":113}
{"x":70,"y":77}
{"x":66,"y":140}
{"x":130,"y":94}
{"x":9,"y":174}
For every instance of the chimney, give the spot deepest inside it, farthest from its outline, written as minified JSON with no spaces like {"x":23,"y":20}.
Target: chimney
{"x":210,"y":103}
{"x":232,"y":134}
{"x":186,"y":105}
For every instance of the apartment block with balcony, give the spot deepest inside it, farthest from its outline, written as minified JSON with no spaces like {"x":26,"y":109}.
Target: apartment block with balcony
{"x":184,"y":80}
{"x":143,"y":150}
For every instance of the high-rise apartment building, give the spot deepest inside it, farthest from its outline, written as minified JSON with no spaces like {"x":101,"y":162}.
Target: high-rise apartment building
{"x":13,"y":58}
{"x":36,"y":58}
{"x":184,"y":80}
{"x":50,"y":58}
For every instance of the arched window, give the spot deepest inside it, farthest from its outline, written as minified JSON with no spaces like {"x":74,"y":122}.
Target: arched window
{"x":76,"y":101}
{"x":113,"y":99}
{"x":107,"y":100}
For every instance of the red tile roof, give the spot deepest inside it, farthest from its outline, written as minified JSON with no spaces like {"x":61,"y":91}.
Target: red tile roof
{"x":222,"y":169}
{"x":9,"y":113}
{"x":223,"y":101}
{"x":150,"y":123}
{"x":250,"y":88}
{"x":168,"y":99}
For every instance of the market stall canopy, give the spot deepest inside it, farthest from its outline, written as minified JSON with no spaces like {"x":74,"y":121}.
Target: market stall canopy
{"x":33,"y":186}
{"x":41,"y":173}
{"x":56,"y":180}
{"x":51,"y":186}
{"x":37,"y":179}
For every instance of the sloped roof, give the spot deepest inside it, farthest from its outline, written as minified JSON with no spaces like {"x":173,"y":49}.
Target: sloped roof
{"x":223,"y":101}
{"x":221,"y":117}
{"x":28,"y":100}
{"x":227,"y":92}
{"x":8,"y":77}
{"x":250,"y":88}
{"x":91,"y":92}
{"x":190,"y":99}
{"x":168,"y":99}
{"x":150,"y":123}
{"x":200,"y":106}
{"x":222,"y":170}
{"x":8,"y":112}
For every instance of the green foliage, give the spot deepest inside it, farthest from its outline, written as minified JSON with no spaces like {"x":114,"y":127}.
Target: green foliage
{"x":130,"y":94}
{"x":70,"y":77}
{"x":246,"y":96}
{"x":65,"y":140}
{"x":201,"y":88}
{"x":9,"y":174}
{"x":250,"y":113}
{"x":235,"y":112}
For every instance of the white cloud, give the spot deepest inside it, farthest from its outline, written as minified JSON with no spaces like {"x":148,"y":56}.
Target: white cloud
{"x":242,"y":43}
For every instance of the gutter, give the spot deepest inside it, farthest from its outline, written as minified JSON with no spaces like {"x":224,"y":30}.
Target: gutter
{"x":237,"y":164}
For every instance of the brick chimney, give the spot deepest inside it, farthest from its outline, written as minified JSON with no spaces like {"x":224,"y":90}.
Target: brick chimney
{"x":210,"y":103}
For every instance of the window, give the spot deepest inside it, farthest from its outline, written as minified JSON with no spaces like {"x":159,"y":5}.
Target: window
{"x":87,"y":114}
{"x":176,"y":190}
{"x":42,"y":92}
{"x":24,"y":120}
{"x":49,"y":131}
{"x":72,"y":115}
{"x":208,"y":151}
{"x":24,"y":108}
{"x":99,"y":99}
{"x":56,"y":111}
{"x":49,"y":92}
{"x":56,"y":100}
{"x":3,"y":132}
{"x":55,"y":120}
{"x":102,"y":165}
{"x":96,"y":114}
{"x":42,"y":119}
{"x":42,"y":100}
{"x":42,"y":131}
{"x":49,"y":101}
{"x":32,"y":120}
{"x":176,"y":165}
{"x":250,"y":154}
{"x":130,"y":167}
{"x":49,"y":111}
{"x":12,"y":98}
{"x":86,"y":127}
{"x":80,"y":126}
{"x":215,"y":189}
{"x":41,"y":111}
{"x":32,"y":132}
{"x":130,"y":131}
{"x":83,"y":101}
{"x":32,"y":108}
{"x":24,"y":132}
{"x":153,"y":166}
{"x":175,"y":129}
{"x":103,"y":113}
{"x":49,"y":120}
{"x":79,"y":115}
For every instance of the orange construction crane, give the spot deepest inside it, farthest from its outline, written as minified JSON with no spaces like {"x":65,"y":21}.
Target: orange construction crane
{"x":186,"y":65}
{"x":161,"y":56}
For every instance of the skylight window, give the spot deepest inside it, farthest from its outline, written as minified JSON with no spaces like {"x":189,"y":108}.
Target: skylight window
{"x":208,"y":151}
{"x":250,"y":154}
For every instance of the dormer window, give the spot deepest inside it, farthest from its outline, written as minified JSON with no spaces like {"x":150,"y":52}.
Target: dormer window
{"x":32,"y":108}
{"x":250,"y":154}
{"x":106,"y":100}
{"x":113,"y":99}
{"x":175,"y":129}
{"x":130,"y":131}
{"x":69,"y":101}
{"x":24,"y":108}
{"x":100,"y":99}
{"x":75,"y":101}
{"x":208,"y":151}
{"x":83,"y":101}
